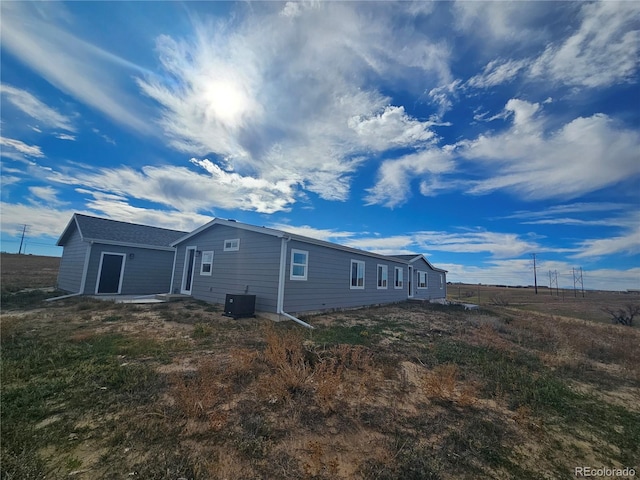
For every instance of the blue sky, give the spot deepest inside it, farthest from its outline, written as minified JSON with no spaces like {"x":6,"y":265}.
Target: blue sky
{"x":475,"y":133}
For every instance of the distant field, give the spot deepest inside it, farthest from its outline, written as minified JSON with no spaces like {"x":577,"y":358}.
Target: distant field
{"x":27,"y":271}
{"x":566,"y":303}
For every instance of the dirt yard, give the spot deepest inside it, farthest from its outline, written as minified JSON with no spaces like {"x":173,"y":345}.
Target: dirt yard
{"x":94,"y":389}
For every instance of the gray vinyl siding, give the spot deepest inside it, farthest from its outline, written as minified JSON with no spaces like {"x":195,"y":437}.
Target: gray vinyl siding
{"x":253,"y":269}
{"x":329,"y":279}
{"x":148,"y":272}
{"x":72,"y":263}
{"x":434,"y":289}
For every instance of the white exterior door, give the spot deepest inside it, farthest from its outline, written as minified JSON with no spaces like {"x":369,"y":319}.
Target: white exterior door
{"x":187,"y":272}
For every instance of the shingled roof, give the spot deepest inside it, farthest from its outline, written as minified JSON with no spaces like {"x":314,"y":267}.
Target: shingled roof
{"x":121,"y":233}
{"x":408,"y":258}
{"x":413,"y":257}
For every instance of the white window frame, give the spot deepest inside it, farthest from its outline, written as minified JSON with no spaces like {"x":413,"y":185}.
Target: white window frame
{"x":441,"y":281}
{"x":398,"y":281}
{"x":203,"y":263}
{"x":232,"y":247}
{"x":383,"y":280}
{"x":426,"y":280}
{"x":360,"y":272}
{"x":292,"y":276}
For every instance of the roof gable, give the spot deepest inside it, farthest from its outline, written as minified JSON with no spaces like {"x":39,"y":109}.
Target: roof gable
{"x":228,"y":223}
{"x":281,"y":234}
{"x":121,"y":233}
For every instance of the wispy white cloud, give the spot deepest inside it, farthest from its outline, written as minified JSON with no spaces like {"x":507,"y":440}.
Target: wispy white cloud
{"x":570,"y":209}
{"x":603,"y":51}
{"x":182,"y":188}
{"x":19,"y":147}
{"x":445,"y":95}
{"x":106,"y":138}
{"x":43,"y":220}
{"x":119,"y":208}
{"x":497,"y":244}
{"x":393,"y":184}
{"x":46,"y":194}
{"x":36,"y":109}
{"x":605,"y":222}
{"x":609,"y":214}
{"x":326,"y":234}
{"x":581,"y":156}
{"x":86,"y":72}
{"x":65,"y":136}
{"x":8,"y":179}
{"x":627,"y":243}
{"x":274,"y":111}
{"x":497,"y":72}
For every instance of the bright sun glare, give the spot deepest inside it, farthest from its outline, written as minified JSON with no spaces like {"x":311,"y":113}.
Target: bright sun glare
{"x":225,"y":101}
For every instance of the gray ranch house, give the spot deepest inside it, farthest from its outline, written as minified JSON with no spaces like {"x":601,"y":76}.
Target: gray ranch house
{"x":103,"y":256}
{"x":291,"y":274}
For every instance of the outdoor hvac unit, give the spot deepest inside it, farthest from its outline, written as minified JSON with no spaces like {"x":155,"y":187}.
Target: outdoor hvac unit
{"x":237,"y":306}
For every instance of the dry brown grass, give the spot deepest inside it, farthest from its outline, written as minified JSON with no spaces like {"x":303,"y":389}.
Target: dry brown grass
{"x":402,"y":391}
{"x":568,"y":341}
{"x":443,"y":383}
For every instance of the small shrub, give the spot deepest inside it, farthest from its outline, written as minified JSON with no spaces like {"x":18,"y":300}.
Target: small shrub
{"x":499,"y":301}
{"x":623,"y":316}
{"x":441,"y":382}
{"x":198,"y":393}
{"x":201,"y":330}
{"x":253,"y":441}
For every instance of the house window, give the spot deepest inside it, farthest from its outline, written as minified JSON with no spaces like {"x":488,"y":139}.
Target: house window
{"x":383,"y":276}
{"x":441,"y":281}
{"x":299,"y":264}
{"x":398,"y":277}
{"x":232,"y":245}
{"x":357,"y":275}
{"x":422,"y":280}
{"x":206,"y":267}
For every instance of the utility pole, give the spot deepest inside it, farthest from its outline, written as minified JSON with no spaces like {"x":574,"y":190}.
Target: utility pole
{"x":535,"y":275}
{"x":24,"y":229}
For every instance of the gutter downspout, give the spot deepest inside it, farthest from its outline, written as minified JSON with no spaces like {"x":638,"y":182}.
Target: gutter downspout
{"x":173,"y":269}
{"x":281,"y":282}
{"x":53,"y":299}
